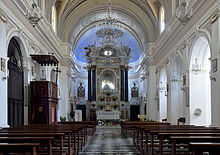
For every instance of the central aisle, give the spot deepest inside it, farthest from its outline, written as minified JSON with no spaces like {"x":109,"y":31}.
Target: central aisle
{"x":108,"y":140}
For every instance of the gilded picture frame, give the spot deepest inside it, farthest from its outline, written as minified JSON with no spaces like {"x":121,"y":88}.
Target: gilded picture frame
{"x":214,"y":65}
{"x":3,"y":64}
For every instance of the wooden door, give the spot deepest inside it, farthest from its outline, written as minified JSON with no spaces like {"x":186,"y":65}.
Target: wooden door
{"x":83,"y":108}
{"x":15,"y":86}
{"x":92,"y":115}
{"x":134,"y":112}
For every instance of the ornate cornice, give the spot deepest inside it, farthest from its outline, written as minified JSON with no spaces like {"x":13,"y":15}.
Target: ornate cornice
{"x":169,"y":39}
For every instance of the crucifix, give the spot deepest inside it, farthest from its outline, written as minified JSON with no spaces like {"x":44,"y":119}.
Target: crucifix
{"x":57,"y":71}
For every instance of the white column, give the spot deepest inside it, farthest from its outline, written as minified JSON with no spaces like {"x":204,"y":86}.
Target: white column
{"x":63,"y":92}
{"x":215,"y":85}
{"x":185,"y":88}
{"x":151,"y":87}
{"x":141,"y":107}
{"x":3,"y":80}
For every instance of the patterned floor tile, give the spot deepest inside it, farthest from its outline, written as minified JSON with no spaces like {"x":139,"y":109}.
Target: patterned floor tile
{"x":107,"y":140}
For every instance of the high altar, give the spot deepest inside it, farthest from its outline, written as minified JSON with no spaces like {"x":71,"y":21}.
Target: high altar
{"x":107,"y":65}
{"x":108,"y":76}
{"x":108,"y":82}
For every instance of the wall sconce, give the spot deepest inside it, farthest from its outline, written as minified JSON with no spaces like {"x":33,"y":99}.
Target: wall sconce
{"x":4,"y":78}
{"x":34,"y":19}
{"x":213,"y":78}
{"x":6,"y":75}
{"x":182,"y":88}
{"x":166,"y":93}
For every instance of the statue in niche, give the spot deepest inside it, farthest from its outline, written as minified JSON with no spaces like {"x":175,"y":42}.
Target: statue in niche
{"x":134,"y":91}
{"x":81,"y":90}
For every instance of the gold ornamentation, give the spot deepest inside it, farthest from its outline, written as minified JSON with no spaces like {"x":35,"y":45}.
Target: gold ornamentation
{"x":99,"y":70}
{"x":215,"y":16}
{"x":116,"y":70}
{"x":3,"y":18}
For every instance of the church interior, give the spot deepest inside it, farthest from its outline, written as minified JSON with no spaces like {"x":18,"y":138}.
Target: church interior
{"x":109,"y":77}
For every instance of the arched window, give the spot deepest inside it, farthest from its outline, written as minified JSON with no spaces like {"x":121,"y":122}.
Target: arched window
{"x":162,"y":19}
{"x":53,"y":18}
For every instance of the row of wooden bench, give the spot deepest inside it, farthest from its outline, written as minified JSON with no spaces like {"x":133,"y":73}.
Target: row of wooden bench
{"x":62,"y":138}
{"x":161,"y":138}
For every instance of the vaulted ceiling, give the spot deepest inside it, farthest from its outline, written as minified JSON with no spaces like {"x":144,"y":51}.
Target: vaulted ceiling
{"x":73,"y":14}
{"x":77,"y":17}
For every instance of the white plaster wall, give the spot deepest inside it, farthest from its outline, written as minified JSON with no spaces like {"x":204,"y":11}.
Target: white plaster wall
{"x":3,"y":83}
{"x":162,"y":95}
{"x":176,"y":95}
{"x":198,"y":99}
{"x":63,"y":92}
{"x":151,"y":87}
{"x":174,"y":102}
{"x":215,"y":85}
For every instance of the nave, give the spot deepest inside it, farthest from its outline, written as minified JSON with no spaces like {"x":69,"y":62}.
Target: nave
{"x":131,"y":137}
{"x":108,"y":140}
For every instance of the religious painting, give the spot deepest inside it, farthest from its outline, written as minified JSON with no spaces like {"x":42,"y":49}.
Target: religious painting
{"x":108,"y":82}
{"x":3,"y":65}
{"x":214,"y":65}
{"x":184,"y":80}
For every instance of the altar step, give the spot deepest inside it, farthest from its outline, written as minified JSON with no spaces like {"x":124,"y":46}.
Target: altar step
{"x":108,"y":141}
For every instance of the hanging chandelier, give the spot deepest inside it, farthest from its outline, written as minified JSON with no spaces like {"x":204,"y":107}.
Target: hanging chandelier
{"x":109,"y":30}
{"x":196,"y":67}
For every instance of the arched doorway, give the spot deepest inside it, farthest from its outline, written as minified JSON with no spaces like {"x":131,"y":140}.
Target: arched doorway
{"x":200,"y":83}
{"x":163,"y":95}
{"x":176,"y":109}
{"x":15,"y":85}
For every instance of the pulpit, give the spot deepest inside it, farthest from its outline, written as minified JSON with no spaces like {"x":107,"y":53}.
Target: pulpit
{"x":43,"y":102}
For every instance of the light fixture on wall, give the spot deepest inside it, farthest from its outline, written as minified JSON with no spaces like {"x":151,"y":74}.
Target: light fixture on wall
{"x":34,"y":19}
{"x":174,"y":77}
{"x":196,"y":67}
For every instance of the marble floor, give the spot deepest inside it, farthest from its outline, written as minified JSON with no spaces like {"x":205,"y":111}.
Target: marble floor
{"x":107,"y":140}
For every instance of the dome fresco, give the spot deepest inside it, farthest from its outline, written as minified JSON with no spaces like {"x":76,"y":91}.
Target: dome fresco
{"x":90,"y":38}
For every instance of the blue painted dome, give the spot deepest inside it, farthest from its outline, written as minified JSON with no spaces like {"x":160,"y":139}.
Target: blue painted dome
{"x":90,"y":38}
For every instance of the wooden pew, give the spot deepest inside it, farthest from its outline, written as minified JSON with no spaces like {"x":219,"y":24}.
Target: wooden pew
{"x":155,"y":130}
{"x":165,"y":136}
{"x":187,"y":139}
{"x":42,"y":128}
{"x":41,"y":140}
{"x":130,"y":125}
{"x":76,"y":133}
{"x":6,"y":148}
{"x":197,"y":148}
{"x":136,"y":127}
{"x":90,"y":124}
{"x":59,"y":136}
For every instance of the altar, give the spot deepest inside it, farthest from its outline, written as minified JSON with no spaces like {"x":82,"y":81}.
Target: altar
{"x":108,"y":115}
{"x":107,"y":65}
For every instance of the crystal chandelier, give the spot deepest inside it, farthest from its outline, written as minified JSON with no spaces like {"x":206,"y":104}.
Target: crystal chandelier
{"x":109,"y":31}
{"x":196,"y":67}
